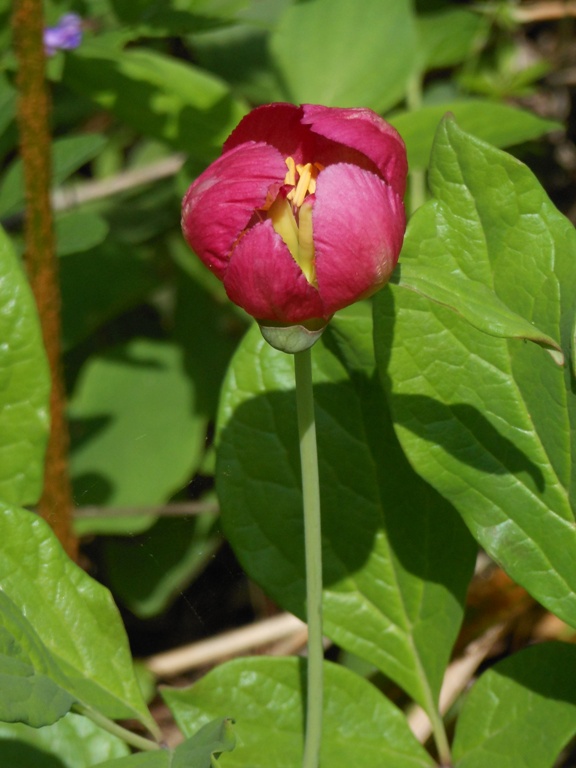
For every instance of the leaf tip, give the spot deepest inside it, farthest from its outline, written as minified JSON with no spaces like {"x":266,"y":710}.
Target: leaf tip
{"x":557,"y":355}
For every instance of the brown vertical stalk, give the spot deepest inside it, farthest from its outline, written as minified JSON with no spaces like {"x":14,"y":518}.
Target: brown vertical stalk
{"x":33,"y":123}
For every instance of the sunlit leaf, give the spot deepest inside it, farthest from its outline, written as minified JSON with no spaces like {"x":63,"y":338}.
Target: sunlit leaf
{"x":489,"y":422}
{"x":24,"y":385}
{"x":522,"y":711}
{"x":473,"y":301}
{"x":449,"y":35}
{"x":391,"y":595}
{"x":73,"y":742}
{"x":137,"y":436}
{"x":264,"y":695}
{"x":198,"y":751}
{"x":312,"y":43}
{"x":496,"y":123}
{"x":73,"y":617}
{"x":31,"y":690}
{"x":157,"y":95}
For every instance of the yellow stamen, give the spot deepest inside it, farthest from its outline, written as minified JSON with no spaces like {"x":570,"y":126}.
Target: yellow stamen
{"x":292,"y":220}
{"x":291,"y":173}
{"x":301,"y":190}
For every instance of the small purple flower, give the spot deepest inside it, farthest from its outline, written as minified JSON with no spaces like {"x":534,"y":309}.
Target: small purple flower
{"x":66,"y":35}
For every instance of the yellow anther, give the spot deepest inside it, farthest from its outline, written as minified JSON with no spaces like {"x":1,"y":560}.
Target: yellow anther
{"x":302,"y":179}
{"x":290,"y":177}
{"x":305,"y":173}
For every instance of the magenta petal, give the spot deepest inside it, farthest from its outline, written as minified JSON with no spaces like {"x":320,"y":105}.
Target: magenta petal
{"x":358,"y":224}
{"x":264,"y":279}
{"x":221,"y":202}
{"x":365,"y":131}
{"x":276,"y":124}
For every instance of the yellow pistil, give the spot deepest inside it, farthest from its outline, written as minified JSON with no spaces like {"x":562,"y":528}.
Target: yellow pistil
{"x":292,"y":220}
{"x":284,"y":222}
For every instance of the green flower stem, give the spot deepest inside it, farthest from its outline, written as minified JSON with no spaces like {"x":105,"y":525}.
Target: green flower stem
{"x":139,"y":742}
{"x":313,"y":553}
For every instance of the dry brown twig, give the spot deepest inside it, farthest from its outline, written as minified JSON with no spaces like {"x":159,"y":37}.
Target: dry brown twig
{"x":547,"y":11}
{"x":74,"y":195}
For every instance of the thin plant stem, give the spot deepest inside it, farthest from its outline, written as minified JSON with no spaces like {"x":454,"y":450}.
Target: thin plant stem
{"x":139,"y":742}
{"x":33,"y":112}
{"x":440,"y":738}
{"x":313,"y":556}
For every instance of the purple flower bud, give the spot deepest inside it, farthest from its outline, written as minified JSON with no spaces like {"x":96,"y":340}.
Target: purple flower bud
{"x":65,"y":36}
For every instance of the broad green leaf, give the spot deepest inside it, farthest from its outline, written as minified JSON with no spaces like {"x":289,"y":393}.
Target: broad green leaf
{"x":449,"y":35}
{"x":73,"y":742}
{"x":158,"y":96}
{"x":24,"y":385}
{"x":68,"y":154}
{"x":240,"y":54}
{"x":30,"y":691}
{"x":148,"y":571}
{"x":211,"y":739}
{"x":522,"y":711}
{"x":198,"y":751}
{"x":496,"y":123}
{"x":475,"y":302}
{"x":264,"y":696}
{"x":73,"y":615}
{"x":392,"y":595}
{"x":137,"y":436}
{"x":98,"y":285}
{"x":489,"y":422}
{"x":311,"y":48}
{"x":79,"y":231}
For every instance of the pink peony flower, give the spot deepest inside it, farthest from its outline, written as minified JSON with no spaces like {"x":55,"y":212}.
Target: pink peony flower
{"x":302,"y":214}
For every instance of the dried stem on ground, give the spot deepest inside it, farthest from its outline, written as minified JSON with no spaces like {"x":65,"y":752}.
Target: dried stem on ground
{"x":227,"y":645}
{"x":530,"y":12}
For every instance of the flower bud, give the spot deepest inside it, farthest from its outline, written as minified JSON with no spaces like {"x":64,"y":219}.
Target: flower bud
{"x":302,"y":214}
